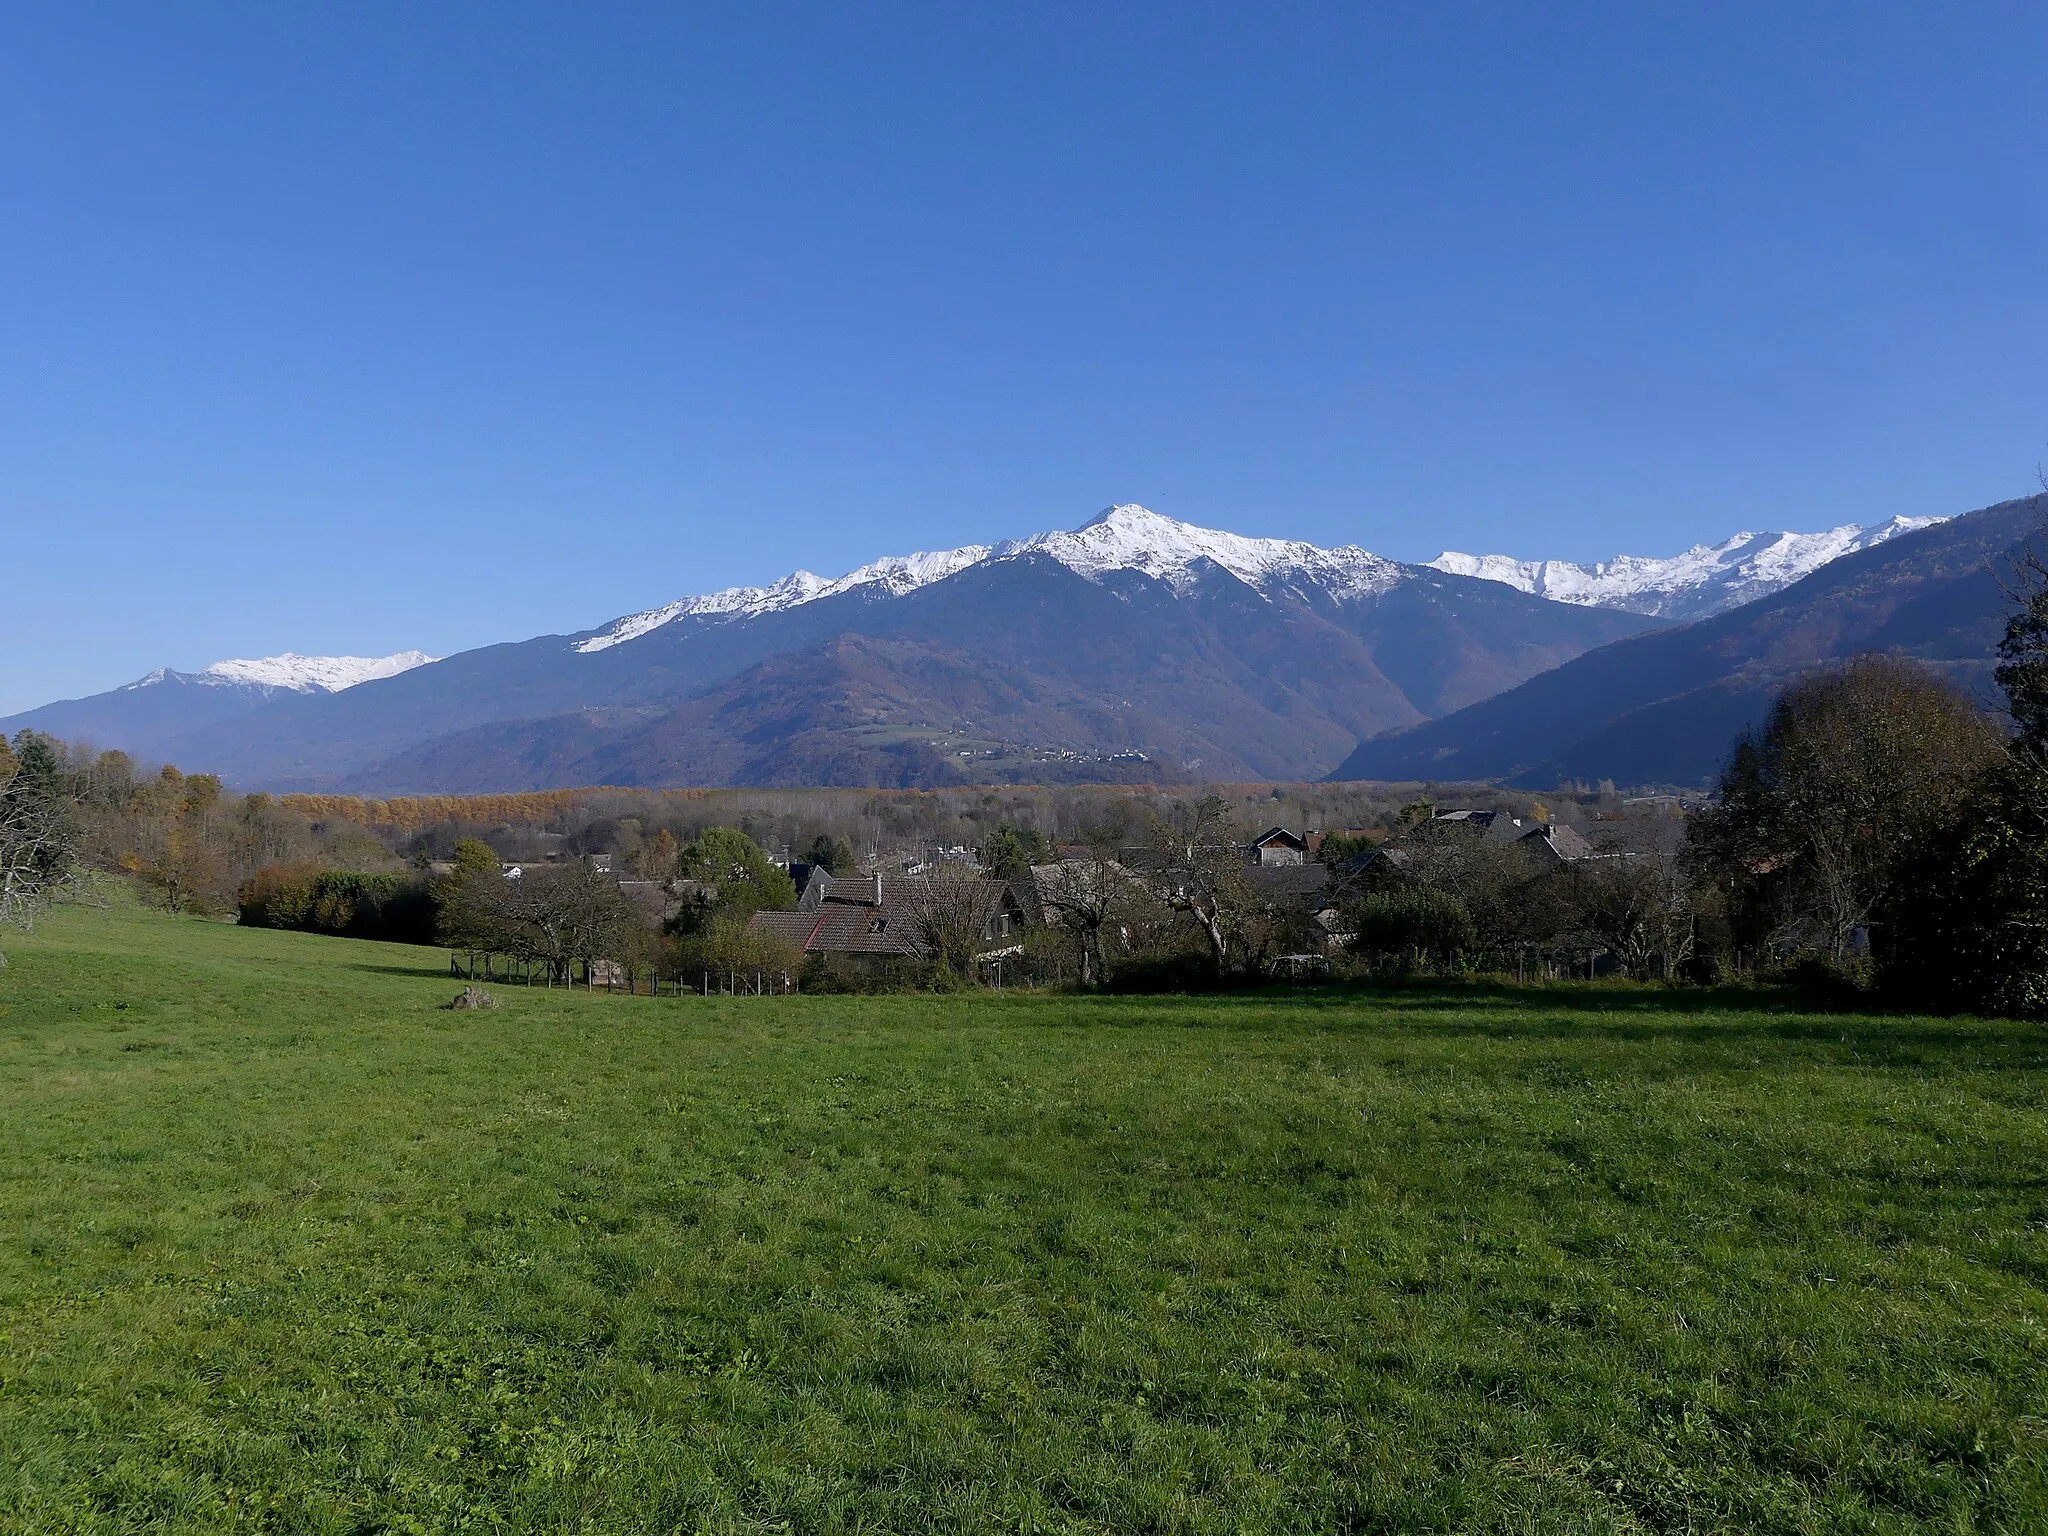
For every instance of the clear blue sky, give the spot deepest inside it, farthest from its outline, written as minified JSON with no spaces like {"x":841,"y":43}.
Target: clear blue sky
{"x":350,"y":328}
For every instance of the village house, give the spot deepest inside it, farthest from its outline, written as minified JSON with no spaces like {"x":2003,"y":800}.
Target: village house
{"x":874,"y":920}
{"x":1550,"y":840}
{"x":1278,"y":847}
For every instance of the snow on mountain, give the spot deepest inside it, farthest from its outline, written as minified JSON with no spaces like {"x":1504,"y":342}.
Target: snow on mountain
{"x":299,"y":674}
{"x":1132,"y":538}
{"x":895,"y":575}
{"x":1123,"y":538}
{"x":1703,"y":580}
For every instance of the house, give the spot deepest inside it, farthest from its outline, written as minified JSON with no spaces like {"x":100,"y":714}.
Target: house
{"x":1277,"y":846}
{"x":873,"y":920}
{"x":1552,"y":842}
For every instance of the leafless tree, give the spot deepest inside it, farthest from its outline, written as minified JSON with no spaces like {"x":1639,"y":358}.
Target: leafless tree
{"x":1086,"y":897}
{"x":1197,"y":868}
{"x":38,"y":834}
{"x":36,"y":863}
{"x":1639,"y":905}
{"x":555,"y":915}
{"x":953,"y":908}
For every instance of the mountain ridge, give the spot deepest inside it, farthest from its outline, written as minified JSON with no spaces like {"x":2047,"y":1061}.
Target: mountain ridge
{"x":1693,"y":584}
{"x":1665,"y":707}
{"x":1132,"y":637}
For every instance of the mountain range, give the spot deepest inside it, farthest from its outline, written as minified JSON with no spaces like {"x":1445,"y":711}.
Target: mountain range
{"x":1704,"y":580}
{"x":1133,"y":647}
{"x":1664,"y":708}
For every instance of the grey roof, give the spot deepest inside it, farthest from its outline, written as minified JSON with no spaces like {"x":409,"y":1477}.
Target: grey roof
{"x":842,"y":916}
{"x":1289,"y":882}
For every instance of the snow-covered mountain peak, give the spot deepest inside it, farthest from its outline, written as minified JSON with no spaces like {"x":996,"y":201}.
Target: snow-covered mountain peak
{"x":1697,"y":582}
{"x":893,"y":576}
{"x":314,"y":674}
{"x":1126,"y":537}
{"x":290,"y":671}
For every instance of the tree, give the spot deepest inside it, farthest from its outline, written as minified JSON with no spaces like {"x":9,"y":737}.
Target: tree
{"x":952,"y":911}
{"x":180,"y":858}
{"x":2023,"y":654}
{"x":1820,"y":809}
{"x":1086,"y":897}
{"x":38,"y":833}
{"x":730,"y":942}
{"x":1967,"y":922}
{"x":1400,"y":927}
{"x":1639,"y":906}
{"x":559,"y":914}
{"x":1967,"y":925}
{"x":467,"y":899}
{"x":1511,"y":893}
{"x":834,"y":855}
{"x":740,"y":879}
{"x":1198,"y":870}
{"x":659,"y":857}
{"x":1010,"y":852}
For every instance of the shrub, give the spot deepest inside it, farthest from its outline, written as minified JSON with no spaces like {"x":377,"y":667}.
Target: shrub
{"x":395,"y":908}
{"x":1408,"y":926}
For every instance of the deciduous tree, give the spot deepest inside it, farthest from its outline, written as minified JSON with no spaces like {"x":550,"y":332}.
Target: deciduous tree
{"x":1820,"y":809}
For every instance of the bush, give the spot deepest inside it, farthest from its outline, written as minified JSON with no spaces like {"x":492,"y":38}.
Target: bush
{"x":1404,"y":927}
{"x":395,"y":908}
{"x":837,"y":973}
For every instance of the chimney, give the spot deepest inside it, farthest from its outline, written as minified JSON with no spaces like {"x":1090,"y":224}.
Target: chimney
{"x":878,"y":887}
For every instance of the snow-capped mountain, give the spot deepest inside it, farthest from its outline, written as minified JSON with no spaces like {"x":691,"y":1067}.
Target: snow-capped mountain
{"x":292,"y":672}
{"x":1663,"y":707}
{"x":1705,"y":579}
{"x":1126,"y":537}
{"x":1134,"y":639}
{"x":155,"y":716}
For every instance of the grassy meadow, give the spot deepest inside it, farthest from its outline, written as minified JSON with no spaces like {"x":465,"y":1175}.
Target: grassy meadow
{"x":286,"y":1246}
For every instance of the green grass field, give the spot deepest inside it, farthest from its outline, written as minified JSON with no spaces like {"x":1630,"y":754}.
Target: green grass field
{"x":285,"y":1246}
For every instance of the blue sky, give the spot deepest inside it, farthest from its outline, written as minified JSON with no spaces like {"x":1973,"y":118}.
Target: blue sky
{"x":355,"y":328}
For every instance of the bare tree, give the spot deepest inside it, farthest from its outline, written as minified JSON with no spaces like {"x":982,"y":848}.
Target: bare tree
{"x":1086,"y":897}
{"x":1197,"y":868}
{"x":1639,"y":905}
{"x":953,"y":909}
{"x":556,"y":915}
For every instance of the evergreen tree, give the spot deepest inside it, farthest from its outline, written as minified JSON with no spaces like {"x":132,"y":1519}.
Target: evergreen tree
{"x":738,"y":878}
{"x":38,"y":832}
{"x":1010,"y":853}
{"x":834,"y":855}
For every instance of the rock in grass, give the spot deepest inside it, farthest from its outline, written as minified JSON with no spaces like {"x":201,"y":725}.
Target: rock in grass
{"x":473,"y":997}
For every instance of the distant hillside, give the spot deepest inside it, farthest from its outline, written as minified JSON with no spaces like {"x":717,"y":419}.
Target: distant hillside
{"x":1664,"y":707}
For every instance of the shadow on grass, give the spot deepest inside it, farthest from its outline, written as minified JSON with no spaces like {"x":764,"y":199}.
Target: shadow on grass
{"x":1697,"y":1016}
{"x":440,"y":972}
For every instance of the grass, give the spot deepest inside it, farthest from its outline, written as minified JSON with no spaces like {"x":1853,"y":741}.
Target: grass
{"x":284,"y":1246}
